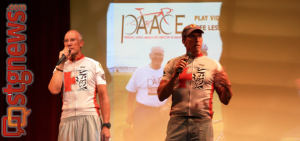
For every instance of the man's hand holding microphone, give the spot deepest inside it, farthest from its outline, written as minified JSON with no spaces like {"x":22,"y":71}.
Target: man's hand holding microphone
{"x":182,"y":64}
{"x":63,"y":56}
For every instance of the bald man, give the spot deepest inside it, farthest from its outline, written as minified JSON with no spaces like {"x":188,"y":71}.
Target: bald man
{"x":148,"y":113}
{"x":80,"y":78}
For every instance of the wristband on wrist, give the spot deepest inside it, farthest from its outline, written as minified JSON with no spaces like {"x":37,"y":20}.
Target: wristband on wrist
{"x":59,"y":69}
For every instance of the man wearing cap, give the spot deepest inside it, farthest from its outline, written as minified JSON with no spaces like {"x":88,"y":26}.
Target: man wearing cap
{"x":149,"y":111}
{"x":192,"y":90}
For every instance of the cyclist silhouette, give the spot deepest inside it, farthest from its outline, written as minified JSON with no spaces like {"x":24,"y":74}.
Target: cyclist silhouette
{"x":163,"y":12}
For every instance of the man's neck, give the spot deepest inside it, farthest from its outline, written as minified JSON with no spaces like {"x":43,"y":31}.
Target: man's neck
{"x":76,"y":57}
{"x":196,"y":54}
{"x":155,"y":67}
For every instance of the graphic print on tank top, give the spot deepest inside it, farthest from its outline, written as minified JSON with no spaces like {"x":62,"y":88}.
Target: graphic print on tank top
{"x":152,"y":84}
{"x":199,"y":77}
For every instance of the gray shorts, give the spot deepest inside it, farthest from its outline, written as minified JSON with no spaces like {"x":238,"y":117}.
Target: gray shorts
{"x":189,"y":129}
{"x":80,"y":128}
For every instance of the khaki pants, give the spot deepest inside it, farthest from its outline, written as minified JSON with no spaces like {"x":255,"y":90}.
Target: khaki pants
{"x":189,"y":129}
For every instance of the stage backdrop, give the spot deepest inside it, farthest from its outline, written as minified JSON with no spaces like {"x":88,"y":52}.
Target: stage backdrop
{"x":137,"y":27}
{"x":260,"y":52}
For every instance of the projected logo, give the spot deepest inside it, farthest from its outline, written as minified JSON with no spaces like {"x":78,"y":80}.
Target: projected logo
{"x":147,"y":23}
{"x":152,"y":84}
{"x":155,"y":15}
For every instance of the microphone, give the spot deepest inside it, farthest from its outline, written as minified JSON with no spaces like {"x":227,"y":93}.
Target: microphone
{"x":63,"y":57}
{"x":189,"y":54}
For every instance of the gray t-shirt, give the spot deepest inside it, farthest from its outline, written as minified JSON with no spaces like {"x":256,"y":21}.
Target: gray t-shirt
{"x":193,"y":91}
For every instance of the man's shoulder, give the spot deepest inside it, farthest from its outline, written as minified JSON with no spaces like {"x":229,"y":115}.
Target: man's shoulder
{"x":209,"y":60}
{"x":143,"y":68}
{"x":174,"y":59}
{"x":178,"y":57}
{"x":90,"y":60}
{"x":92,"y":63}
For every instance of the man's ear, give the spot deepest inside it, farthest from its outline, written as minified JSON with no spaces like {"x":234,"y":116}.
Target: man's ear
{"x":81,"y":43}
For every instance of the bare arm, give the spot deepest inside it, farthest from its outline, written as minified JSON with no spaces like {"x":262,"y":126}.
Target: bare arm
{"x":104,"y":102}
{"x":57,"y":78}
{"x":130,"y":107}
{"x":165,"y":87}
{"x":225,"y":94}
{"x":224,"y":88}
{"x":105,"y":109}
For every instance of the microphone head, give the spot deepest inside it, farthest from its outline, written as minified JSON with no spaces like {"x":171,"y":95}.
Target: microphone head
{"x":190,"y":54}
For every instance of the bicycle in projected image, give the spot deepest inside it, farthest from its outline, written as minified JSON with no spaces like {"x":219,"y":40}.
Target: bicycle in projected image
{"x":162,"y":12}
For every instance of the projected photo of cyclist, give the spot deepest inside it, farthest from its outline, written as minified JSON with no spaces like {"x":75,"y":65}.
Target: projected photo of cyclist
{"x":204,"y":49}
{"x":138,"y":29}
{"x":148,"y":112}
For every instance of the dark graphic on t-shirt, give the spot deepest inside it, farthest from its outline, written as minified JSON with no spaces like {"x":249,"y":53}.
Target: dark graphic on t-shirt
{"x":198,"y":77}
{"x":81,"y":80}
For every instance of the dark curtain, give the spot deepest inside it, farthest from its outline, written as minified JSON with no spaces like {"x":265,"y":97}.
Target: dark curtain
{"x":47,"y":22}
